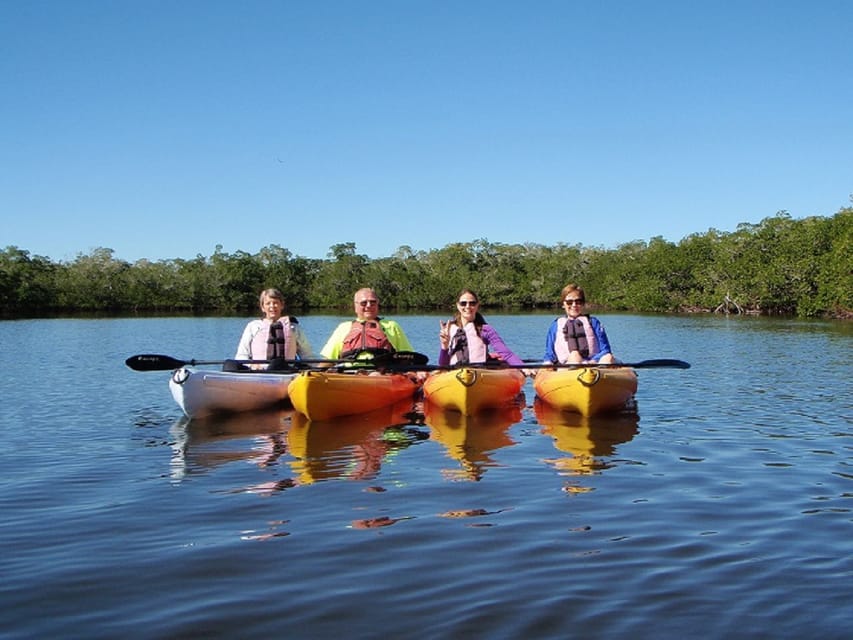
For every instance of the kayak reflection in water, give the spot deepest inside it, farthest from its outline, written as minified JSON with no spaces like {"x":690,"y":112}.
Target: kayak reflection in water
{"x":590,"y":440}
{"x":472,"y":439}
{"x":351,"y":447}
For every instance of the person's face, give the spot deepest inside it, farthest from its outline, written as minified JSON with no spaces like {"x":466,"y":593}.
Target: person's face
{"x":573,"y":303}
{"x":366,"y":305}
{"x":467,"y":305}
{"x":272,"y":308}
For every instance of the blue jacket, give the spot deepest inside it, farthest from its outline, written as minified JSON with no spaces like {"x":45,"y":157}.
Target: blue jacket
{"x":600,"y":336}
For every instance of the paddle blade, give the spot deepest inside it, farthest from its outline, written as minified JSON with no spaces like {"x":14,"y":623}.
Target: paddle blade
{"x":153,"y":362}
{"x":661,"y":363}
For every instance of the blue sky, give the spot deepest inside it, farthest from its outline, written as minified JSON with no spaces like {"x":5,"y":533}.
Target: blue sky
{"x":162,"y":129}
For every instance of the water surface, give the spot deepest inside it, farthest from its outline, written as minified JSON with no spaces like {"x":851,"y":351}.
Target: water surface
{"x":723,"y":507}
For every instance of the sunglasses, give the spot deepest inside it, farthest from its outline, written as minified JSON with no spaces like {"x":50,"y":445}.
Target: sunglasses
{"x":571,"y":301}
{"x":364,"y":303}
{"x":467,"y":303}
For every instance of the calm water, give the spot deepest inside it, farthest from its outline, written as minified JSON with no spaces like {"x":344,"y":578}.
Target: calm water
{"x":723,"y":510}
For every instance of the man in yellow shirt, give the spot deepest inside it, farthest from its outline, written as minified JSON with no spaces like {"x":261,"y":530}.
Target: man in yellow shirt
{"x":367,"y":332}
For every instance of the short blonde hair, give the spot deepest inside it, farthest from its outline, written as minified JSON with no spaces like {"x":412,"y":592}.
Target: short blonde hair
{"x":275,"y":294}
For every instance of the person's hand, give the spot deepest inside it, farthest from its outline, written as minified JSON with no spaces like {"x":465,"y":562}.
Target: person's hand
{"x":418,"y":377}
{"x":444,"y":333}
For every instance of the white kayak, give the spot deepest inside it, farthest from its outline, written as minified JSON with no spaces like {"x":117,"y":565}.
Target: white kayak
{"x":201,"y":392}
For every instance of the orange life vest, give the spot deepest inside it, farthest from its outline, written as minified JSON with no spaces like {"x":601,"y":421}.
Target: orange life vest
{"x":365,"y":335}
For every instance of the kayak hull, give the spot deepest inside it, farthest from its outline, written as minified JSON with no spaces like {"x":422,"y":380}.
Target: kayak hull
{"x":470,"y":390}
{"x":325,"y":395}
{"x":588,"y":391}
{"x":200,"y":393}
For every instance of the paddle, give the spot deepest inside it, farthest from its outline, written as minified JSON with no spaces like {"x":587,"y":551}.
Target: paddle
{"x":656,"y":363}
{"x":156,"y":362}
{"x":398,"y":358}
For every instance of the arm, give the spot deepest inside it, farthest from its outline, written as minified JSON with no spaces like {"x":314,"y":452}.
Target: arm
{"x":550,"y":352}
{"x":303,"y":346}
{"x":396,"y":335}
{"x":244,"y":347}
{"x":332,"y":349}
{"x":493,"y":339}
{"x":601,"y":337}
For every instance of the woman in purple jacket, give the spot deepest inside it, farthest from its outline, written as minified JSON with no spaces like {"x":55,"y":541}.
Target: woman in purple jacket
{"x":468,"y":339}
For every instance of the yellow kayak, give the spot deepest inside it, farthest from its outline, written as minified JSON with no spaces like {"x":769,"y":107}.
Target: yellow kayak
{"x":324,"y":395}
{"x":588,"y":390}
{"x":473,"y":389}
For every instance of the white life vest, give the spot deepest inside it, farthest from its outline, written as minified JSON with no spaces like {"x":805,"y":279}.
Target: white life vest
{"x":465,"y":346}
{"x":260,"y":340}
{"x":574,"y":335}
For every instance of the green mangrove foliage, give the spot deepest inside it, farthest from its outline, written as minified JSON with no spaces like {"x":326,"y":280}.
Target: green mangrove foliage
{"x":778,"y":266}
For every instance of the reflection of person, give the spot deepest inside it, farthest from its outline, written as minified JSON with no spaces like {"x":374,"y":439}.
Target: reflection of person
{"x":468,"y":339}
{"x":367,"y":331}
{"x":577,"y":337}
{"x":275,"y":335}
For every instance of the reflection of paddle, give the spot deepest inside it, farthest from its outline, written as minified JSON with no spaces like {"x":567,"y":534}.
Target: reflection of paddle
{"x":155,"y":362}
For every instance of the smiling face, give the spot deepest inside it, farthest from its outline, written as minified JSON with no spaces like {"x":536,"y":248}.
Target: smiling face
{"x":366,"y":304}
{"x":272,"y":307}
{"x":573,"y":306}
{"x":467,"y":305}
{"x":573,"y":300}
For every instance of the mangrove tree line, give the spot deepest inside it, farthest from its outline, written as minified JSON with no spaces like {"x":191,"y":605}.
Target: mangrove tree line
{"x":778,"y":266}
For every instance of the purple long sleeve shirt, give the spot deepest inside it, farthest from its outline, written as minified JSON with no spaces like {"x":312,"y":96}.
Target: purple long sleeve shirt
{"x":495,"y":344}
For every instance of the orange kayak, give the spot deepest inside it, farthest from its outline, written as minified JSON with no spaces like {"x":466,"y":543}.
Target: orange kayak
{"x":323,"y":395}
